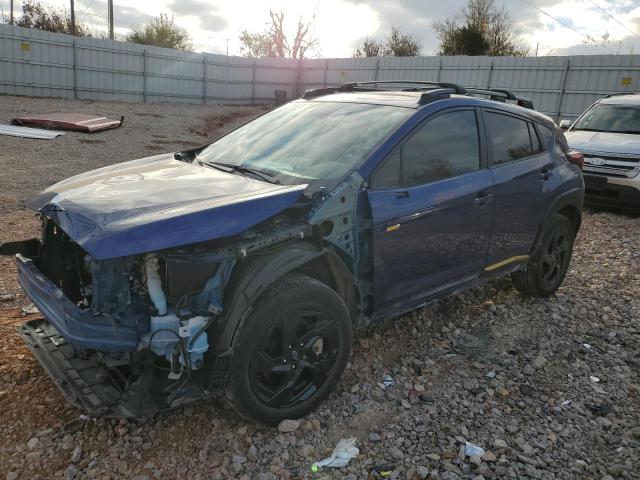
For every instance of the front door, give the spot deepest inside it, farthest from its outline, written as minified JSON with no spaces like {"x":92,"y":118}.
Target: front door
{"x":432,"y":207}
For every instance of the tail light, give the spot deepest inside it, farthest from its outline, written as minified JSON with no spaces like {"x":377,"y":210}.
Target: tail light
{"x":577,"y":158}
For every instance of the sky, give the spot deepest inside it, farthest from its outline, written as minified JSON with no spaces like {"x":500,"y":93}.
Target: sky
{"x":579,"y":26}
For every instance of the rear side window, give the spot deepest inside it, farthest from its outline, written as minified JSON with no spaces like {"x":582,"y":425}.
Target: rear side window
{"x":509,"y":138}
{"x":546,"y":136}
{"x":444,"y":147}
{"x":536,"y":147}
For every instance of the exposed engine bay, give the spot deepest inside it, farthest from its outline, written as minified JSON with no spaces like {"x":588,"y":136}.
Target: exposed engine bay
{"x":143,"y":339}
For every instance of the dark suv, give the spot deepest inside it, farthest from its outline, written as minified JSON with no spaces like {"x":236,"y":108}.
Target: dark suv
{"x":247,"y":264}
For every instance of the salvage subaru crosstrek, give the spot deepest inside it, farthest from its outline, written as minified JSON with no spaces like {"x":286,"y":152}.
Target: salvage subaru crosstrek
{"x":246,"y":265}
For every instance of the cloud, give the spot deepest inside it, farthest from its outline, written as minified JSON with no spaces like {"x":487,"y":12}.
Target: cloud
{"x":534,"y":27}
{"x":207,"y":13}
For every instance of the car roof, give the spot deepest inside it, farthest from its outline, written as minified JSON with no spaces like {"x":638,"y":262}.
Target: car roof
{"x":411,"y":100}
{"x":625,"y":99}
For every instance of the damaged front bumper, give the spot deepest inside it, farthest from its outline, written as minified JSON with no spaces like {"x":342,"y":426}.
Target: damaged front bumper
{"x":80,"y":327}
{"x":80,"y":381}
{"x":90,"y":385}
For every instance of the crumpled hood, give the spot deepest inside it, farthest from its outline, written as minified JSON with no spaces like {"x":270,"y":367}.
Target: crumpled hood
{"x":158,"y":202}
{"x":604,"y":142}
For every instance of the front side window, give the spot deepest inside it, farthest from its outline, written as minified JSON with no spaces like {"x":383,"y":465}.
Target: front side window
{"x":308,"y":142}
{"x":508,"y":138}
{"x":444,"y":147}
{"x":610,"y":118}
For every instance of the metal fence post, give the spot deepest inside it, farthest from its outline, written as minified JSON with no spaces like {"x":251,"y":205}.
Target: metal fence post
{"x":204,"y":79}
{"x":326,"y":68}
{"x":75,"y":70}
{"x":565,"y":74}
{"x":375,"y":77}
{"x":253,"y":83}
{"x":490,"y":75}
{"x":144,"y":75}
{"x":299,"y":80}
{"x":439,"y":70}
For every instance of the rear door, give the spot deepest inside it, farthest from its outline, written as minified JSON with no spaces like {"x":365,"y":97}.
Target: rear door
{"x":432,"y":210}
{"x":525,"y":177}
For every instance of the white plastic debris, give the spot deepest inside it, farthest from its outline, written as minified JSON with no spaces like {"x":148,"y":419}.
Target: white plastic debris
{"x":345,"y":450}
{"x":594,"y":379}
{"x":387,"y":381}
{"x":491,"y":374}
{"x":30,"y":309}
{"x":587,"y":346}
{"x":566,"y":403}
{"x":471,"y":450}
{"x":27,"y":132}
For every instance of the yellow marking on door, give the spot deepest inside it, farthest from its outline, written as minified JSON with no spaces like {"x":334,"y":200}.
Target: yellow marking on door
{"x":517,"y":258}
{"x":393,"y":228}
{"x":626,"y":80}
{"x":25,"y":46}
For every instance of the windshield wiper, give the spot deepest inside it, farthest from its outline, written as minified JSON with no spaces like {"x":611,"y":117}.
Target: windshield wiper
{"x":267,"y":177}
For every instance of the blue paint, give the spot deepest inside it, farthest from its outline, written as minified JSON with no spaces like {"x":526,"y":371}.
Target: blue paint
{"x":156,"y":203}
{"x":80,"y":327}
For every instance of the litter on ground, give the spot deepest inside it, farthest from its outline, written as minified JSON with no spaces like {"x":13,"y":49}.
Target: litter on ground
{"x":27,"y":132}
{"x":80,"y":122}
{"x":345,"y":450}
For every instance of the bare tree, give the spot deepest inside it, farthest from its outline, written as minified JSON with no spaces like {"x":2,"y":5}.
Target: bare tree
{"x":43,"y":17}
{"x":369,"y":48}
{"x":397,"y":44}
{"x":401,"y":45}
{"x":480,"y":19}
{"x":274,"y":41}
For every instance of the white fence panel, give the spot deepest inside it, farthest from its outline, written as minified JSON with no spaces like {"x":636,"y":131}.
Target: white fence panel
{"x":38,"y":63}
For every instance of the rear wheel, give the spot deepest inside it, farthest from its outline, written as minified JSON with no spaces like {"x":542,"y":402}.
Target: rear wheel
{"x":549,"y":262}
{"x":291,"y":351}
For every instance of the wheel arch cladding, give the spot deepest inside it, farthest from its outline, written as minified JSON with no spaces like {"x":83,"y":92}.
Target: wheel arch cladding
{"x":252,"y":278}
{"x":573,"y":214}
{"x":568,"y":204}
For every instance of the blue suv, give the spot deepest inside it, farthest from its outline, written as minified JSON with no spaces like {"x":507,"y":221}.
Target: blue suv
{"x":246,"y":265}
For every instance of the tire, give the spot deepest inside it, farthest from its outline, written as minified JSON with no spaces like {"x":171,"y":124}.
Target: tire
{"x":291,"y":350}
{"x":549,"y":261}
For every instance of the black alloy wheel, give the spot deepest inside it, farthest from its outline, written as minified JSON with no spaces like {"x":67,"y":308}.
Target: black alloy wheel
{"x":291,"y":350}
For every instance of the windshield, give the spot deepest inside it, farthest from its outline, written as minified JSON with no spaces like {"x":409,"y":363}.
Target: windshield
{"x":307,"y":142}
{"x":610,"y":118}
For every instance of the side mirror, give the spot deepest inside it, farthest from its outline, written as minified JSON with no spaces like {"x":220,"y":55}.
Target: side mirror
{"x":565,"y":124}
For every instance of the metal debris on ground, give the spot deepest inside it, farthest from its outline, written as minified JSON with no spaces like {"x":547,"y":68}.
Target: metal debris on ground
{"x":344,"y":451}
{"x":27,"y":132}
{"x":594,"y":379}
{"x":80,"y":122}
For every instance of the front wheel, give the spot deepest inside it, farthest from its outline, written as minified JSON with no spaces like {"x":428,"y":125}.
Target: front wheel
{"x":291,"y":350}
{"x":549,"y":261}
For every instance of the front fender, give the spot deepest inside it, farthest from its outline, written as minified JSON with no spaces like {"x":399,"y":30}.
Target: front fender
{"x":250,"y":280}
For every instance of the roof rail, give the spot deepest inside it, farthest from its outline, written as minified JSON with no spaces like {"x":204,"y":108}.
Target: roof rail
{"x":609,"y":95}
{"x":457,"y":88}
{"x":432,"y":91}
{"x":501,"y":95}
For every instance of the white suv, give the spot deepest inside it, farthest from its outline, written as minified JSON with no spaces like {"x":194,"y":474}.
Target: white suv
{"x":608,"y":134}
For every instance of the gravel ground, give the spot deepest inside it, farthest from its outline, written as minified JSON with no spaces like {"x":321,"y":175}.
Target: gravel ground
{"x":548,"y":388}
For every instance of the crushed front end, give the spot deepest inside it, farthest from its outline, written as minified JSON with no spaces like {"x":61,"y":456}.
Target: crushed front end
{"x":123,"y":337}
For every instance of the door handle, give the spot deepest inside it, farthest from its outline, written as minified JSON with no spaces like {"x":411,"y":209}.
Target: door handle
{"x":483,"y":199}
{"x":402,"y":194}
{"x":545,"y":174}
